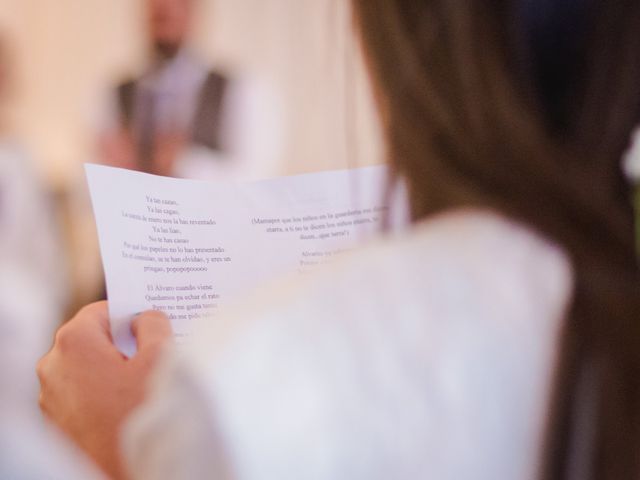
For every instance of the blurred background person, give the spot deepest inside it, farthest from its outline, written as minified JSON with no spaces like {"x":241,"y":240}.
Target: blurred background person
{"x":177,"y":100}
{"x":33,"y":294}
{"x":180,"y":117}
{"x":33,"y":275}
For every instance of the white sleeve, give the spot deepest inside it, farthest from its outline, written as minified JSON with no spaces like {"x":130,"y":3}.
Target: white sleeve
{"x":173,"y":435}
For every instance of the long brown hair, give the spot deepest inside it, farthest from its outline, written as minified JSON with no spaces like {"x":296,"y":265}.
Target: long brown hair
{"x":526,"y":108}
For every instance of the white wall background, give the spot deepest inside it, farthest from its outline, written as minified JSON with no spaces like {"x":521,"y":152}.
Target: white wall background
{"x":68,"y":52}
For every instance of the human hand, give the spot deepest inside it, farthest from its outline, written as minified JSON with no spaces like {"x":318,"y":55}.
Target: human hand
{"x":88,"y":388}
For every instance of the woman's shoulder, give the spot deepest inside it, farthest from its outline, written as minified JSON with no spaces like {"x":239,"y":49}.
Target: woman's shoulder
{"x":478,"y":261}
{"x":486,"y":248}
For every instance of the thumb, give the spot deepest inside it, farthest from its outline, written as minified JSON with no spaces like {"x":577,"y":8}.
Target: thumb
{"x":152,"y":331}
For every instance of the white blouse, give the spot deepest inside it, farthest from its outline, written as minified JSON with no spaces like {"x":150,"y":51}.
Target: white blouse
{"x":425,"y":356}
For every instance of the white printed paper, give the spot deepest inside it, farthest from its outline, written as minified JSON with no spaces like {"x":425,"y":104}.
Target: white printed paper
{"x":186,"y":247}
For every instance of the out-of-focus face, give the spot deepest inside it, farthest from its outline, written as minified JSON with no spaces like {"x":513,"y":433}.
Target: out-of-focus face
{"x":169,"y":23}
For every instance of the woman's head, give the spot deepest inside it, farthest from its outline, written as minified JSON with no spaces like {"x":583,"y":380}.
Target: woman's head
{"x":481,"y":98}
{"x":526,"y":107}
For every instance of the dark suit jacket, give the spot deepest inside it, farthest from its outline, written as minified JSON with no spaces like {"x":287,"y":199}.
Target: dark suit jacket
{"x":206,"y":127}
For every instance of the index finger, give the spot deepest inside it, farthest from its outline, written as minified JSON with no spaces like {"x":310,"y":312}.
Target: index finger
{"x":151,"y":329}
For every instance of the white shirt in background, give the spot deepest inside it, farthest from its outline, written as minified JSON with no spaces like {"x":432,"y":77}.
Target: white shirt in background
{"x":33,"y":277}
{"x":251,"y":129}
{"x":33,"y":284}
